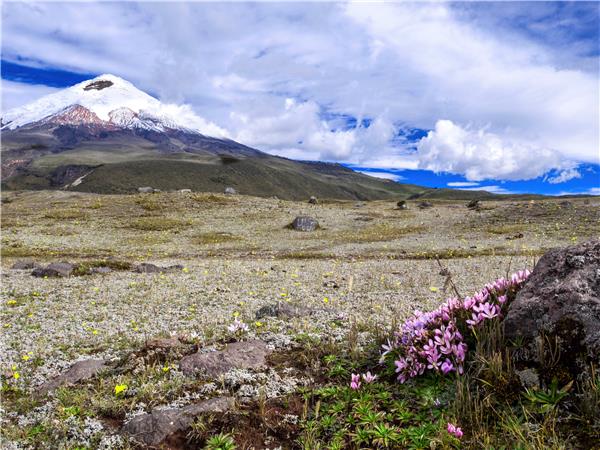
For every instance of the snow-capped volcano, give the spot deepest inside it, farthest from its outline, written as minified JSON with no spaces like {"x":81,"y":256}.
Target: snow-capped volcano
{"x":111,"y":102}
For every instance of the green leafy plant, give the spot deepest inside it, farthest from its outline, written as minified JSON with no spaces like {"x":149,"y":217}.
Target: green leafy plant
{"x":221,"y":441}
{"x":546,"y":400}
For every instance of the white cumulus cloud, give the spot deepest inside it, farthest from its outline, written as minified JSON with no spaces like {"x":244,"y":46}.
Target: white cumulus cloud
{"x":479,"y":154}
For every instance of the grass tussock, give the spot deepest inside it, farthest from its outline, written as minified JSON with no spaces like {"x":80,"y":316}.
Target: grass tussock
{"x":208,"y":198}
{"x":158,"y":223}
{"x":215,"y":237}
{"x":65,"y":214}
{"x":378,"y":233}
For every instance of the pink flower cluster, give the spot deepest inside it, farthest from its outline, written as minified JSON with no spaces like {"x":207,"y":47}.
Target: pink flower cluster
{"x":366,"y":377}
{"x":432,"y":340}
{"x":454,"y":430}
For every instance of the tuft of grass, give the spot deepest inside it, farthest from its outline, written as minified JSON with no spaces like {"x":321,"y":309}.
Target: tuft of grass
{"x":215,"y":237}
{"x":85,"y":267}
{"x":65,"y":214}
{"x":149,"y":204}
{"x":157,"y":223}
{"x":208,"y":198}
{"x":378,"y":233}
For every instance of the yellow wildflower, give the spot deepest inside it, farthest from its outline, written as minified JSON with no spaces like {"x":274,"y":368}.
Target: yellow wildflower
{"x":119,"y":388}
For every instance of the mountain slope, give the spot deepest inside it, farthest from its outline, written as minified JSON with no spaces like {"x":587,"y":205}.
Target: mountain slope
{"x":106,"y":136}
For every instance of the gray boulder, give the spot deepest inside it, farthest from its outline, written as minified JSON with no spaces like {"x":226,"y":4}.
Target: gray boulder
{"x":230,"y":191}
{"x":305,"y":223}
{"x":237,"y":355}
{"x":559,"y":309}
{"x":153,"y":428}
{"x":402,"y":204}
{"x":425,"y":205}
{"x":60,"y":269}
{"x":145,"y":190}
{"x":79,"y":371}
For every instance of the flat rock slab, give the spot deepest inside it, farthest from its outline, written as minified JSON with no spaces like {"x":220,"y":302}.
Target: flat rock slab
{"x":60,"y":269}
{"x":237,"y":355}
{"x":26,"y":264}
{"x":79,"y":371}
{"x":305,"y":223}
{"x":283,"y":310}
{"x":152,"y":268}
{"x":153,"y":428}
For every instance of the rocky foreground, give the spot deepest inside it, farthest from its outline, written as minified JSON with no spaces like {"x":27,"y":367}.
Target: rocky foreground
{"x":176,"y":320}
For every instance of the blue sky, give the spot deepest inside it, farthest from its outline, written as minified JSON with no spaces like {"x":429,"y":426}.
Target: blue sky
{"x":496,"y":95}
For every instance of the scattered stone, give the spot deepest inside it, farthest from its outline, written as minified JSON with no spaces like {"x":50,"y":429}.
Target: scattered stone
{"x":425,"y":205}
{"x":283,"y":310}
{"x":230,"y":191}
{"x":157,"y":190}
{"x":25,"y":264}
{"x":566,"y":204}
{"x":559,"y":309}
{"x":474,"y":204}
{"x":359,"y":205}
{"x":529,"y":379}
{"x":80,"y":371}
{"x":305,"y":223}
{"x":402,"y":204}
{"x":516,"y":236}
{"x":153,"y":428}
{"x":145,"y":190}
{"x":313,"y":200}
{"x":60,"y":269}
{"x":185,"y":191}
{"x":152,"y":268}
{"x":238,"y":355}
{"x":331,"y":284}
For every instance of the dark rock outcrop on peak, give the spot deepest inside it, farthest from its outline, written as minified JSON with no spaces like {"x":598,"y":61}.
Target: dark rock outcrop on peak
{"x":249,"y":354}
{"x":556,"y":315}
{"x":304,"y":223}
{"x":153,"y":428}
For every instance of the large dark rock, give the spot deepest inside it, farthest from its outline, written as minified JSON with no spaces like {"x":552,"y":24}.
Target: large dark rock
{"x":237,"y":355}
{"x":60,"y":269}
{"x":558,"y":310}
{"x":305,"y":223}
{"x":313,"y":200}
{"x":153,"y":428}
{"x":425,"y":205}
{"x":402,"y":204}
{"x":79,"y":371}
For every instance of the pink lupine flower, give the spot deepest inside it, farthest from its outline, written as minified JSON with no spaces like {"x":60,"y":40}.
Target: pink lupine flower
{"x":355,"y":381}
{"x":368,"y":377}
